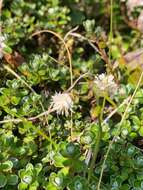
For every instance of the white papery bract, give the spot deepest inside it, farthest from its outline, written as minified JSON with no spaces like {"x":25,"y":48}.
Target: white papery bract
{"x":62,"y":103}
{"x":105,"y":85}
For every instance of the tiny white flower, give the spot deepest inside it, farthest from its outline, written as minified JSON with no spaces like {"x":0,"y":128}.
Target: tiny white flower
{"x":2,"y":45}
{"x":62,"y":103}
{"x":105,"y":85}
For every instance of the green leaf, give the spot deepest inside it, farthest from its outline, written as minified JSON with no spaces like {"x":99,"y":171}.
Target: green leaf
{"x":38,"y":168}
{"x":69,"y":150}
{"x":141,"y":131}
{"x":89,"y":25}
{"x":22,"y":186}
{"x":29,"y":167}
{"x":59,"y":160}
{"x":135,"y":120}
{"x":57,"y":179}
{"x":7,"y":165}
{"x":78,"y":165}
{"x":27,"y":179}
{"x":26,"y":176}
{"x":34,"y":186}
{"x":15,"y":100}
{"x":12,"y":179}
{"x":139,"y":161}
{"x":3,"y":180}
{"x":78,"y":183}
{"x":7,"y":49}
{"x":50,"y":186}
{"x":87,"y":137}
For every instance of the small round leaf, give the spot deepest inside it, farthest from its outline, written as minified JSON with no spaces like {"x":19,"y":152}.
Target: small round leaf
{"x":3,"y":180}
{"x":12,"y":179}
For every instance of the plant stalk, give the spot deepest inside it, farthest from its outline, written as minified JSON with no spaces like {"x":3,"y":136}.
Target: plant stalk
{"x":95,"y":153}
{"x":98,"y":140}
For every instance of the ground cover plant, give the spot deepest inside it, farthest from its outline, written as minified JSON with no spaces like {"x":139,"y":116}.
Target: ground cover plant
{"x":71,"y":95}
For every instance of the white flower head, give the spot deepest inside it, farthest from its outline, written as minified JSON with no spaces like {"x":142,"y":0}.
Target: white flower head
{"x":105,"y":85}
{"x":62,"y":103}
{"x":2,"y":45}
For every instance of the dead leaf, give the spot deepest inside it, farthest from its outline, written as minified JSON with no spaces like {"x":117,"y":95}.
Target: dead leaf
{"x":14,"y":59}
{"x":140,"y":22}
{"x":131,"y":60}
{"x":134,"y":77}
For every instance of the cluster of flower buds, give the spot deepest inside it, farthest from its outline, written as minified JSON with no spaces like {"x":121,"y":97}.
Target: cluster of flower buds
{"x":105,"y":85}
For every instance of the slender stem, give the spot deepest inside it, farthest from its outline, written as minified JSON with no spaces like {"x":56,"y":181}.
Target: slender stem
{"x":76,"y":81}
{"x":102,"y":110}
{"x":71,"y":125}
{"x":28,"y":119}
{"x":95,"y":152}
{"x":111,"y":101}
{"x":111,"y":28}
{"x":98,"y":140}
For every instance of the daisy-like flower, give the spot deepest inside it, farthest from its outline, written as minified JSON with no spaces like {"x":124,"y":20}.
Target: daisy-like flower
{"x":2,"y":45}
{"x":62,"y":103}
{"x":105,"y":85}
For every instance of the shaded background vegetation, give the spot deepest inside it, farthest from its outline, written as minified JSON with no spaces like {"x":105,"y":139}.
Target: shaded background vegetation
{"x":36,"y":155}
